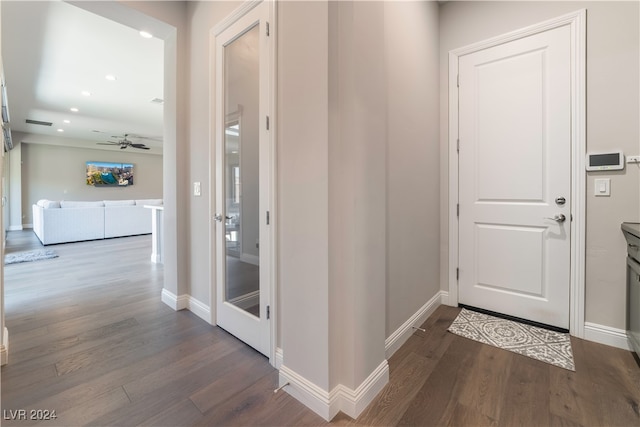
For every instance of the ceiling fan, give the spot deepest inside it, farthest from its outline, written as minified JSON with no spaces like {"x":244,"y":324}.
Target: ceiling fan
{"x":123,"y":142}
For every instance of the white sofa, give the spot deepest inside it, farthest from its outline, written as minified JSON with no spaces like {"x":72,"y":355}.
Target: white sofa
{"x":71,"y":221}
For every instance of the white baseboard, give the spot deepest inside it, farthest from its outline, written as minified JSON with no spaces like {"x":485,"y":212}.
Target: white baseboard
{"x":402,"y":334}
{"x":341,"y":398}
{"x":187,"y":302}
{"x":16,"y":227}
{"x":279,"y":358}
{"x":606,"y":335}
{"x":200,"y":309}
{"x":4,"y":348}
{"x":250,"y":259}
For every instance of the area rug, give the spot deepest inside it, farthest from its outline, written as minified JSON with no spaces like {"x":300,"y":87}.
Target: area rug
{"x":29,"y":256}
{"x":538,"y":343}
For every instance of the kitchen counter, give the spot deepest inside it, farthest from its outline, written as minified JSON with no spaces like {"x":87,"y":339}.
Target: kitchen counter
{"x":632,"y":228}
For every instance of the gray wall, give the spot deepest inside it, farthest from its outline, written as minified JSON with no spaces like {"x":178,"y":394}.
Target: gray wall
{"x":413,"y":167}
{"x":58,"y":173}
{"x":612,"y":123}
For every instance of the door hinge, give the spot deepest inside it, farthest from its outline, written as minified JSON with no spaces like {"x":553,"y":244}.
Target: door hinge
{"x":267,"y":122}
{"x":268,"y":33}
{"x":457,"y":274}
{"x":268,"y":218}
{"x":458,"y":145}
{"x":268,"y":312}
{"x":458,"y":210}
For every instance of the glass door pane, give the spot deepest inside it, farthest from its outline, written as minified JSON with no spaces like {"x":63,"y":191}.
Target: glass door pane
{"x":242,"y":190}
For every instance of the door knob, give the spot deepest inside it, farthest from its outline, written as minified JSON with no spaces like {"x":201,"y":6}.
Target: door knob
{"x":557,"y":218}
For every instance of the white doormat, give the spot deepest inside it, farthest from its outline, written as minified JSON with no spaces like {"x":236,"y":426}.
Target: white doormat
{"x":538,"y":343}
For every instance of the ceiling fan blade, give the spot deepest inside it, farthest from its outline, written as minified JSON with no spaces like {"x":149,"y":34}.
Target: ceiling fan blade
{"x":107,"y":143}
{"x":123,"y":147}
{"x":143,"y":148}
{"x":138,"y":145}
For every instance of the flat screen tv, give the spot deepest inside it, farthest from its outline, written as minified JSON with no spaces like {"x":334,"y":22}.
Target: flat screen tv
{"x":108,"y":174}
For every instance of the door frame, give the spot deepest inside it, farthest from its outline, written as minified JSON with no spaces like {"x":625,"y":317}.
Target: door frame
{"x":216,"y":122}
{"x":576,"y":21}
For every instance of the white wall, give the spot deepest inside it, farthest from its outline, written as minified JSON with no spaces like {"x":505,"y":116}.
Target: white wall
{"x":612,"y":123}
{"x":59,"y":173}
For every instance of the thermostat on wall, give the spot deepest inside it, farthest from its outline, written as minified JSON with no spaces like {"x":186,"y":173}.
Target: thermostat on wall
{"x":610,"y":161}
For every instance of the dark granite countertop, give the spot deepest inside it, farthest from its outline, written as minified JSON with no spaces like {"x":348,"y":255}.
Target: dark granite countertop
{"x":631,"y":227}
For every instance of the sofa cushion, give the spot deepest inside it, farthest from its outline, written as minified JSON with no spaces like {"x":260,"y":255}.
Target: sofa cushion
{"x":119,"y":202}
{"x":48,"y":204}
{"x":72,"y":204}
{"x":52,"y":204}
{"x":154,"y":202}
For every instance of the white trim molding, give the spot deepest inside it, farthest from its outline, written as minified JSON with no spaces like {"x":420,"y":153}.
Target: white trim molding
{"x":341,"y":398}
{"x":187,"y":302}
{"x":279,"y":358}
{"x":18,"y":227}
{"x":4,"y":348}
{"x":402,"y":334}
{"x":576,"y":21}
{"x":607,"y":335}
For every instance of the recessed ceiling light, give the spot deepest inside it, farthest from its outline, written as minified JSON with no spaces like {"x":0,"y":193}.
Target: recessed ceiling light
{"x":74,"y":109}
{"x":146,"y":34}
{"x":111,"y":77}
{"x":60,"y":130}
{"x":67,"y":121}
{"x":86,"y":93}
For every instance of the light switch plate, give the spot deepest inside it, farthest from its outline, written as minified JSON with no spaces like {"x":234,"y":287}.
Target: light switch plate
{"x":602,"y":187}
{"x":196,"y":189}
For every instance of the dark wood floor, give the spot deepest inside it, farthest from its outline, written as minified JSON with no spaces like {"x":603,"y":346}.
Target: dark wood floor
{"x":90,"y":339}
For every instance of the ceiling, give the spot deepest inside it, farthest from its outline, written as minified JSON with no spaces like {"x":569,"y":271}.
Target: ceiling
{"x":53,"y":51}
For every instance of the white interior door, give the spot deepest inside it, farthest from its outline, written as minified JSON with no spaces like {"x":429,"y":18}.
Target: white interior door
{"x":515,"y":178}
{"x":243,"y":180}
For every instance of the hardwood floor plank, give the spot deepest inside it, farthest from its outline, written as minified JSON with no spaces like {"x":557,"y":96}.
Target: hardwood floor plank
{"x":465,"y":416}
{"x":609,"y":370}
{"x":488,"y":378}
{"x":391,"y":404}
{"x":181,"y":413}
{"x":81,"y":385}
{"x":258,"y":405}
{"x":435,"y":403}
{"x":526,"y":398}
{"x":85,"y":414}
{"x":218,"y":357}
{"x":230,"y":383}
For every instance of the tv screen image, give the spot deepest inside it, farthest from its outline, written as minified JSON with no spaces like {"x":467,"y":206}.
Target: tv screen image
{"x":109,"y":174}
